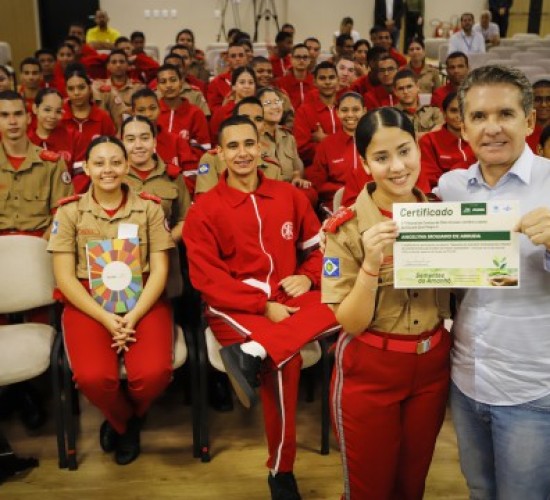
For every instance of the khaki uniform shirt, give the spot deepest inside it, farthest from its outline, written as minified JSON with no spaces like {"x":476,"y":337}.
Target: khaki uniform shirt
{"x":195,"y":96}
{"x":83,"y":220}
{"x":117,"y":102}
{"x":283,"y":148}
{"x":398,"y":311}
{"x":211,"y":166}
{"x":29,"y":195}
{"x":425,"y":119}
{"x":175,"y":199}
{"x":428,"y":79}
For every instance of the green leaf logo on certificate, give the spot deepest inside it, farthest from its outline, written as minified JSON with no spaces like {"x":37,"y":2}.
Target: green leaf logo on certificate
{"x":456,"y":245}
{"x":115,"y":273}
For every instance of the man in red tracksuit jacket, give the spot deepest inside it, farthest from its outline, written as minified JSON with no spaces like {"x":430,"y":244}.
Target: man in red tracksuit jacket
{"x":220,"y":86}
{"x":298,"y":81}
{"x":317,"y":118}
{"x":243,"y":238}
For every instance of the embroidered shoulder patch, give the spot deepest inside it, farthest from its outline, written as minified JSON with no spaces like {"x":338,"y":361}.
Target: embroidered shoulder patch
{"x":331,"y":267}
{"x":204,"y":168}
{"x":343,"y":214}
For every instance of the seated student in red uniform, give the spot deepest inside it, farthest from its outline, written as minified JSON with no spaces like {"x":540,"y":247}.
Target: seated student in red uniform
{"x":368,"y":82}
{"x":46,"y":59}
{"x":220,"y":86}
{"x":141,"y":67}
{"x":337,"y":153}
{"x":244,"y":238}
{"x":444,"y":149}
{"x":392,"y":365}
{"x":317,"y":119}
{"x":150,"y":174}
{"x":82,"y":116}
{"x":243,"y":84}
{"x":65,"y":56}
{"x":382,"y":95}
{"x":457,"y":70}
{"x":6,"y":82}
{"x":30,"y":75}
{"x":381,"y":37}
{"x":96,"y":339}
{"x":280,"y":59}
{"x":171,"y":148}
{"x":298,"y":81}
{"x":360,"y":50}
{"x":178,"y":115}
{"x":50,"y":135}
{"x":78,"y":29}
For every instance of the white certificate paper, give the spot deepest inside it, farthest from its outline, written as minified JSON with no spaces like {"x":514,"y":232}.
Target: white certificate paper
{"x":456,"y":245}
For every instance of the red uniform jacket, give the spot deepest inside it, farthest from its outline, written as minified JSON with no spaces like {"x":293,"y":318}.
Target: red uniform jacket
{"x":441,"y":151}
{"x":218,"y":89}
{"x":241,"y":245}
{"x":62,"y":140}
{"x":189,"y":122}
{"x":378,"y":97}
{"x":98,"y":123}
{"x":280,"y":66}
{"x":439,"y":94}
{"x":195,"y":82}
{"x":221,"y":114}
{"x":363,"y":84}
{"x":296,"y":89}
{"x":533,"y":139}
{"x":335,"y":155}
{"x":144,"y":68}
{"x":308,"y":117}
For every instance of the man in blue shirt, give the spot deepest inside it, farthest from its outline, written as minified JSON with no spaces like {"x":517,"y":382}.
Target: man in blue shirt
{"x":500,"y":394}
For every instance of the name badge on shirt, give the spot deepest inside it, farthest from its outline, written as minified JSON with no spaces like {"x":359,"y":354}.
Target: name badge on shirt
{"x":127,"y":231}
{"x":331,"y":267}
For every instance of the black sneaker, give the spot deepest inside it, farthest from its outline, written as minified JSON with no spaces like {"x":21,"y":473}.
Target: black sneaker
{"x":283,"y":486}
{"x":108,"y":437}
{"x":243,"y":371}
{"x":128,"y":446}
{"x":11,"y":465}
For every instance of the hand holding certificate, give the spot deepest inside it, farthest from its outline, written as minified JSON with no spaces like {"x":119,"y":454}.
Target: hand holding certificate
{"x":457,"y":245}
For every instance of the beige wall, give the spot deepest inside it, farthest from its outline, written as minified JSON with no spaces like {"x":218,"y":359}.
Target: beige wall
{"x":311,"y":17}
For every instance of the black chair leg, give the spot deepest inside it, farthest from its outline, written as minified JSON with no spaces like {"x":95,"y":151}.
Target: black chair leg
{"x":69,"y":416}
{"x":325,"y":397}
{"x":57,"y":384}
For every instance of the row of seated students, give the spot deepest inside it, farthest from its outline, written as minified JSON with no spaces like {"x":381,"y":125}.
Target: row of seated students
{"x":323,"y":132}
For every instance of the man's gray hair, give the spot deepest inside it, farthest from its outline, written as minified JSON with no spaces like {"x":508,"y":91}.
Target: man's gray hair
{"x":491,"y":74}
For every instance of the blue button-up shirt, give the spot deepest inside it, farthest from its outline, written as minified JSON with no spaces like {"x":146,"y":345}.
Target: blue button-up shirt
{"x":501,"y":354}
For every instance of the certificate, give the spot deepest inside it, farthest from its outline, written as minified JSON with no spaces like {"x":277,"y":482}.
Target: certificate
{"x":456,"y":245}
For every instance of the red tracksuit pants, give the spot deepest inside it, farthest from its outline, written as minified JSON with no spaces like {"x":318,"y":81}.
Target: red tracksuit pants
{"x":95,"y":364}
{"x":281,"y":376}
{"x":387,"y":410}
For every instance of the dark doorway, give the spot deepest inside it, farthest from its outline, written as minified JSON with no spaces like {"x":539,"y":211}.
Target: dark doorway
{"x":56,"y":15}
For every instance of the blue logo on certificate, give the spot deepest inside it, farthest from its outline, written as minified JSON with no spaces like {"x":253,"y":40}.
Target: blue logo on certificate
{"x":331,"y":267}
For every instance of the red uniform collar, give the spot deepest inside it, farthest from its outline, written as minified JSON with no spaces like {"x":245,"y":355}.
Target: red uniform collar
{"x":236,"y":197}
{"x":95,"y":114}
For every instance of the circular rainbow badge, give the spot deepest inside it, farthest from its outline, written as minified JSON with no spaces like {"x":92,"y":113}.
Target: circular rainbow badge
{"x":115,"y":273}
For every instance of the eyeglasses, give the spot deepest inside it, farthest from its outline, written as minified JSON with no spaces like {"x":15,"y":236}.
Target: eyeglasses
{"x":301,"y":58}
{"x":542,"y":99}
{"x":274,"y":102}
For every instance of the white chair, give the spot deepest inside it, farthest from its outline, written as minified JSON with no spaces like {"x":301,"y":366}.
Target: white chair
{"x":542,"y":76}
{"x":506,"y":42}
{"x":209,"y":349}
{"x":27,"y":283}
{"x":531,"y":72}
{"x":526,"y":36}
{"x":432,"y":47}
{"x":337,"y":200}
{"x":442,"y":54}
{"x":478,"y":60}
{"x":152,"y":51}
{"x":501,"y":62}
{"x":5,"y":53}
{"x":501,"y":52}
{"x":542,"y":51}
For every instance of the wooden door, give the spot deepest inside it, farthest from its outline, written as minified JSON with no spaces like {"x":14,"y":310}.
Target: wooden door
{"x":18,"y":27}
{"x":545,"y":18}
{"x":519,"y":17}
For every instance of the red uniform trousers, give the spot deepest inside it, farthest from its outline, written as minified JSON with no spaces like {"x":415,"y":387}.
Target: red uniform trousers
{"x":282,"y":341}
{"x":95,"y":364}
{"x":387,"y":410}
